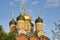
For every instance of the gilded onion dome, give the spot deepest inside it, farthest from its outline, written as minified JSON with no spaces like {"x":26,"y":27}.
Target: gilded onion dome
{"x":27,"y":17}
{"x":12,"y":22}
{"x":39,"y":20}
{"x":20,"y":17}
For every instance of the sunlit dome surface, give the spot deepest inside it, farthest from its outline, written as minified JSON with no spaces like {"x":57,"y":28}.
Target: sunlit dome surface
{"x":27,"y":17}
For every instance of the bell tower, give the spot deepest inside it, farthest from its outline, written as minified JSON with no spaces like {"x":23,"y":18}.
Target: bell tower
{"x":39,"y":25}
{"x":20,"y":23}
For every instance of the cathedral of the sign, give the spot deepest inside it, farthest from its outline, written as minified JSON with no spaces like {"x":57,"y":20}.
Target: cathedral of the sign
{"x":24,"y":27}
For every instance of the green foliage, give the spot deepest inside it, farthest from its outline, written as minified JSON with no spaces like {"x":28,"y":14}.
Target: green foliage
{"x":6,"y":36}
{"x":2,"y":33}
{"x":1,"y":29}
{"x":57,"y":25}
{"x":11,"y":36}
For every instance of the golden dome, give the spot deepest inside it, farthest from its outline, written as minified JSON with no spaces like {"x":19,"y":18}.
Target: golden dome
{"x":27,"y":17}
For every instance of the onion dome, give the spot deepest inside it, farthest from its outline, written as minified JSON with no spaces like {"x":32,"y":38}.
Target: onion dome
{"x":22,"y":37}
{"x":12,"y":22}
{"x":20,"y":17}
{"x":38,"y":20}
{"x":44,"y":38}
{"x":34,"y":38}
{"x":27,"y":17}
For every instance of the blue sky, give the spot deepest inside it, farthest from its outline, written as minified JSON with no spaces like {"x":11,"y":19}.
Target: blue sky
{"x":49,"y":12}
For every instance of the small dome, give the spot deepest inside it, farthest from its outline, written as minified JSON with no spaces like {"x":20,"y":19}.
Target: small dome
{"x":38,"y":20}
{"x":44,"y":38}
{"x":20,"y":17}
{"x":12,"y":22}
{"x":27,"y":17}
{"x":22,"y":37}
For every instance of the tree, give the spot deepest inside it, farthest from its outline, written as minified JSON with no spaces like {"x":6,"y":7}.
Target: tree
{"x":7,"y":36}
{"x":2,"y":33}
{"x":11,"y":36}
{"x":56,"y":33}
{"x":57,"y":30}
{"x":1,"y":29}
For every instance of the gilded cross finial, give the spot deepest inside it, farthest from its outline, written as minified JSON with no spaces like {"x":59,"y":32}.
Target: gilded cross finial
{"x":20,"y":8}
{"x":38,"y":12}
{"x":25,"y":6}
{"x":12,"y":14}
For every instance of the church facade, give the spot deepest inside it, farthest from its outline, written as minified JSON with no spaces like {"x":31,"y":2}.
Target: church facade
{"x":24,"y":27}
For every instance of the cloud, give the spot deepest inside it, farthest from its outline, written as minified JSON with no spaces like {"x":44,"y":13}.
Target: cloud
{"x":35,"y":2}
{"x":52,"y":3}
{"x":11,"y":3}
{"x":22,"y":1}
